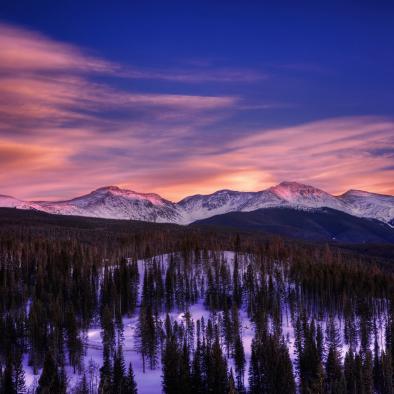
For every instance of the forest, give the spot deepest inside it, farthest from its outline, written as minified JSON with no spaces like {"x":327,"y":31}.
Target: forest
{"x":105,"y":306}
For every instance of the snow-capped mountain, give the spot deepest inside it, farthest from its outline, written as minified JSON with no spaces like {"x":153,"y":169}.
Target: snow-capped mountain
{"x":203,"y":206}
{"x":292,"y":194}
{"x":296,"y":194}
{"x":12,"y":202}
{"x":365,"y":204}
{"x":115,"y":203}
{"x":111,"y":202}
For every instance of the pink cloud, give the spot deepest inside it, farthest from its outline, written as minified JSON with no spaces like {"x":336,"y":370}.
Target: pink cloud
{"x":23,"y":50}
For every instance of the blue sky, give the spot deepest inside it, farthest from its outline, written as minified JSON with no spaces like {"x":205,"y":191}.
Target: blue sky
{"x":183,"y":97}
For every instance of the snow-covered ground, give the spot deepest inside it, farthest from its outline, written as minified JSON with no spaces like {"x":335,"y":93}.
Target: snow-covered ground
{"x":150,"y":381}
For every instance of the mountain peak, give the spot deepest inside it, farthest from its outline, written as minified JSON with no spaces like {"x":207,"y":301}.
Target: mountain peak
{"x":360,"y":193}
{"x":292,"y":191}
{"x":109,"y":188}
{"x":295,"y":186}
{"x":116,"y":191}
{"x":291,"y":184}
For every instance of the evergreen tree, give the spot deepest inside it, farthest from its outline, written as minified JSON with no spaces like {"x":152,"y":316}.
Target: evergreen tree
{"x":74,"y":342}
{"x":334,"y":381}
{"x":19,"y":374}
{"x":216,"y":369}
{"x":50,"y":381}
{"x":197,"y":384}
{"x":231,"y":383}
{"x":9,"y":386}
{"x":367,"y":370}
{"x":118,"y":377}
{"x":387,"y":383}
{"x":106,"y":371}
{"x":184,"y":369}
{"x":239,"y":360}
{"x":1,"y":379}
{"x":349,"y":372}
{"x":170,"y":363}
{"x":311,"y":369}
{"x":130,"y":386}
{"x":83,"y":387}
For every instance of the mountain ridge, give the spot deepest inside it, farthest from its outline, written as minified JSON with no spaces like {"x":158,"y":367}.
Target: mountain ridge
{"x":323,"y":224}
{"x":113,"y":202}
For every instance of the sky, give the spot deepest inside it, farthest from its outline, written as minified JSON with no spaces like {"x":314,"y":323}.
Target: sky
{"x":180,"y":98}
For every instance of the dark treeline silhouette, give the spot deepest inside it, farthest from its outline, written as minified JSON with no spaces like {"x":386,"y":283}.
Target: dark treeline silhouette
{"x":58,"y":276}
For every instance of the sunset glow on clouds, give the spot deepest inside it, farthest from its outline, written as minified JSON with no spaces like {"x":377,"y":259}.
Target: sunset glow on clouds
{"x":66,"y":128}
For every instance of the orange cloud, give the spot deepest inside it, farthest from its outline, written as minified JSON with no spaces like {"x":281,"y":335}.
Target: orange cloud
{"x":335,"y":154}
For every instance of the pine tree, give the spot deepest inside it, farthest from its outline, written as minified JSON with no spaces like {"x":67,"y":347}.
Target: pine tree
{"x":170,"y":362}
{"x":227,"y":329}
{"x":130,"y":386}
{"x":118,"y":376}
{"x":83,"y":387}
{"x":217,"y":381}
{"x":19,"y":375}
{"x":1,"y":378}
{"x":147,"y":335}
{"x":61,"y":381}
{"x":231,"y":384}
{"x":311,"y":369}
{"x":184,"y":369}
{"x":106,"y":371}
{"x":349,"y":372}
{"x":284,"y":377}
{"x":239,"y":360}
{"x":271,"y":369}
{"x":197,"y":384}
{"x":9,"y":386}
{"x":368,"y":373}
{"x":74,"y":342}
{"x":387,"y":384}
{"x":333,"y":379}
{"x":49,"y":381}
{"x":255,"y":384}
{"x":358,"y":374}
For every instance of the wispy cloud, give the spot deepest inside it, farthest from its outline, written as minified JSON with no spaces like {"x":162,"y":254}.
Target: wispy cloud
{"x":58,"y":122}
{"x":46,"y":84}
{"x":28,"y":51}
{"x":335,"y":154}
{"x":200,"y":74}
{"x":23,"y":50}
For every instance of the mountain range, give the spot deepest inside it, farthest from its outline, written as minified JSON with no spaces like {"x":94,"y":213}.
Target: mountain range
{"x":113,"y":202}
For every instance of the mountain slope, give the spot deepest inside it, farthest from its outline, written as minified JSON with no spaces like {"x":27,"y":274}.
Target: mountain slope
{"x":317,"y":224}
{"x":12,"y":202}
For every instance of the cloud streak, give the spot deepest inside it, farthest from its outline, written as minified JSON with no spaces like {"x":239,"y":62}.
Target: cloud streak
{"x":24,"y":50}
